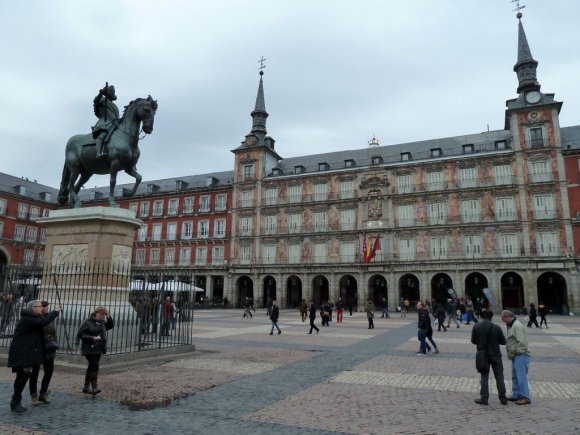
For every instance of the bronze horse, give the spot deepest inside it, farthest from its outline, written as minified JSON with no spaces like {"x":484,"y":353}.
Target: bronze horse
{"x":122,"y":153}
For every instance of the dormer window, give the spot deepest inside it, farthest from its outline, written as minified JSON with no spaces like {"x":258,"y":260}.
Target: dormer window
{"x":406,"y":157}
{"x":299,"y":169}
{"x":436,"y":152}
{"x":468,"y":148}
{"x":349,"y":163}
{"x":501,"y":145}
{"x":276,"y":172}
{"x":323,"y":166}
{"x":180,"y":185}
{"x":210,"y":181}
{"x":20,"y":190}
{"x":377,"y":160}
{"x":152,"y":188}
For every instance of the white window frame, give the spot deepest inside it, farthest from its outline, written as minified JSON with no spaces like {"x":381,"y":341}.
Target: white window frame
{"x":294,"y":253}
{"x":406,"y":249}
{"x":22,"y":211}
{"x":467,"y":177}
{"x":271,"y":196}
{"x":347,"y":189}
{"x":155,"y":257}
{"x":19,"y":232}
{"x":172,"y":231}
{"x":320,"y":221}
{"x":347,"y":252}
{"x":540,"y":171}
{"x":295,"y":194}
{"x":34,"y":212}
{"x":219,"y":228}
{"x":31,"y":233}
{"x":217,"y":255}
{"x":203,"y":229}
{"x":42,"y":239}
{"x":169,"y":256}
{"x":404,"y":184}
{"x":247,"y":198}
{"x":320,"y":192}
{"x":140,"y":257}
{"x":437,"y":212}
{"x":245,"y":254}
{"x":221,"y":202}
{"x":439,"y":248}
{"x":547,"y":243}
{"x":248,"y":172}
{"x":472,"y":246}
{"x":295,"y":223}
{"x":269,"y":254}
{"x":246,"y":226}
{"x":320,"y":250}
{"x":157,"y":208}
{"x":201,"y":255}
{"x":187,"y":230}
{"x":347,"y":220}
{"x":28,"y":257}
{"x":144,"y":209}
{"x":502,"y":174}
{"x":270,"y":224}
{"x":188,"y":204}
{"x":434,"y":181}
{"x":142,"y":233}
{"x":470,"y":210}
{"x":405,"y":215}
{"x":157,"y":232}
{"x":173,"y":206}
{"x":544,"y":206}
{"x":505,"y":209}
{"x":204,"y":203}
{"x":508,"y":245}
{"x":2,"y":207}
{"x":185,"y":256}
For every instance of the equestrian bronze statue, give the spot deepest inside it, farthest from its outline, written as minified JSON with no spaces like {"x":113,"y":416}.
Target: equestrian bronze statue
{"x":112,"y":147}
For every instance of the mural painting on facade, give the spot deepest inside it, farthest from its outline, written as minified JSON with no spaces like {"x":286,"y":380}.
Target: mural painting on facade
{"x":486,"y":172}
{"x":489,"y":242}
{"x":420,"y":212}
{"x":422,"y":248}
{"x":455,"y":246}
{"x":453,"y":211}
{"x":333,"y":249}
{"x":282,"y":192}
{"x":418,"y":179}
{"x":487,"y":210}
{"x":282,"y":221}
{"x":307,"y":219}
{"x":307,"y":190}
{"x":333,"y":188}
{"x":333,"y":218}
{"x":307,"y":250}
{"x":450,"y":176}
{"x":374,"y":205}
{"x":281,"y":254}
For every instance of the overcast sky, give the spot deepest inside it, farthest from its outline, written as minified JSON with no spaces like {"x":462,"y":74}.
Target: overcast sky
{"x":338,"y":72}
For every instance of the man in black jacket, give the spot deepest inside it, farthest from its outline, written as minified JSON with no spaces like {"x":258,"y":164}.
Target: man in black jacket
{"x":488,"y":337}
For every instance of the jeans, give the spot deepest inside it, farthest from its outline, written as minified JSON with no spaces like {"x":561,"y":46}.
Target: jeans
{"x":520,"y":387}
{"x":422,"y":335}
{"x":274,"y":324}
{"x":471,"y":317}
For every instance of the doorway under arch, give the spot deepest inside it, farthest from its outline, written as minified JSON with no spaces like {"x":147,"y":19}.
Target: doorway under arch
{"x":293,"y":292}
{"x":474,"y":284}
{"x":244,"y":289}
{"x":320,"y":289}
{"x":348,"y":290}
{"x":512,"y":292}
{"x":553,"y":292}
{"x":378,"y":290}
{"x":268,"y":290}
{"x":440,"y":285}
{"x":409,"y":289}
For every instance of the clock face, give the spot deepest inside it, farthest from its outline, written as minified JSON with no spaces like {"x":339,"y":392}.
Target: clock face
{"x":533,"y":97}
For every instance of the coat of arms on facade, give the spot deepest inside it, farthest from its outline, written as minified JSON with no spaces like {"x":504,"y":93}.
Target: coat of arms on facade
{"x":374,"y":205}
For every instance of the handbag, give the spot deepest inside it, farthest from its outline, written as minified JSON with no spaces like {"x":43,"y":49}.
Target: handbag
{"x":51,"y":345}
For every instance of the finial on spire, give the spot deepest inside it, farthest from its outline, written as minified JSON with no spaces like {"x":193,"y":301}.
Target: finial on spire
{"x":518,"y":8}
{"x":262,"y":66}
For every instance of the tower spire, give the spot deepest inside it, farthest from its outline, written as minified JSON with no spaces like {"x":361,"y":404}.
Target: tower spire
{"x":526,"y":65}
{"x":259,"y":113}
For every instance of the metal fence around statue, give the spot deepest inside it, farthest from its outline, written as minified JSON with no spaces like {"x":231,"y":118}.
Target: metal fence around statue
{"x":151,"y":311}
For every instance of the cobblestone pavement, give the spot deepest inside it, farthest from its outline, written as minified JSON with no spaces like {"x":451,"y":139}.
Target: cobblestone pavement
{"x":347,"y":379}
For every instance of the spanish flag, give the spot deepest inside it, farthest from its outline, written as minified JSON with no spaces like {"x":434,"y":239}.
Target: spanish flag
{"x":371,"y":249}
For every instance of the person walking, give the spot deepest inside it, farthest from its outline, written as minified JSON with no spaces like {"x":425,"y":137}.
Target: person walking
{"x":47,"y":364}
{"x":406,"y":308}
{"x":370,"y":310}
{"x":423,"y":325}
{"x":350,"y":307}
{"x":339,"y":310}
{"x":274,"y":315}
{"x":247,"y":309}
{"x":469,"y":309}
{"x":488,"y":336}
{"x":533,"y":316}
{"x":93,"y":338}
{"x":312,"y":318}
{"x":519,"y":354}
{"x":385,"y":309}
{"x":441,"y":318}
{"x":166,"y":316}
{"x":543,"y":311}
{"x":429,"y":337}
{"x":303,"y":310}
{"x":452,"y":312}
{"x":28,"y":348}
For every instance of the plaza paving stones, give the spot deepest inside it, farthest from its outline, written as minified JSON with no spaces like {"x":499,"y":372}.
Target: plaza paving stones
{"x":345,"y":380}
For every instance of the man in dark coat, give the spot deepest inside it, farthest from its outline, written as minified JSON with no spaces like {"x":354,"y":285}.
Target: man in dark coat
{"x":312,"y":317}
{"x":489,"y":336}
{"x":28,"y":348}
{"x":274,"y":317}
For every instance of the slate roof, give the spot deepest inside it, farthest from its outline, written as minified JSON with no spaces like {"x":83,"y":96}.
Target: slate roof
{"x":32,"y":189}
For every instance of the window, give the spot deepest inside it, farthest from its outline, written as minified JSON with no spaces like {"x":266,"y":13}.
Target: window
{"x":219,"y":228}
{"x":188,"y":205}
{"x":376,"y":160}
{"x":406,"y":248}
{"x":31,"y":234}
{"x":155,"y":256}
{"x":42,"y":235}
{"x":269,"y":254}
{"x":405,"y":215}
{"x":295,"y":223}
{"x":246,"y":225}
{"x":157,"y":208}
{"x":157,"y":228}
{"x":294,"y":253}
{"x":271,"y":196}
{"x":436,"y":152}
{"x":547,"y":243}
{"x":2,"y":207}
{"x":217,"y":255}
{"x":434,"y":181}
{"x":505,"y":209}
{"x":142,"y":233}
{"x":346,"y":189}
{"x":540,"y":172}
{"x":536,"y":137}
{"x":201,"y":255}
{"x":220,"y":202}
{"x":140,"y":257}
{"x":173,"y":206}
{"x":347,"y":252}
{"x":204,"y":204}
{"x":40,"y":261}
{"x":247,"y":199}
{"x":19,"y":232}
{"x":323,"y":166}
{"x":404,"y":184}
{"x":185,"y":256}
{"x":28,"y":257}
{"x":472,"y":246}
{"x":406,"y":157}
{"x":437,"y":213}
{"x":508,"y":245}
{"x":144,"y":209}
{"x":203,"y":229}
{"x":502,"y":174}
{"x":295,"y":194}
{"x":270,"y":224}
{"x":171,"y":231}
{"x":46,"y":213}
{"x":349,"y":163}
{"x":470,"y":211}
{"x":467,"y":177}
{"x":248,"y":172}
{"x":439,"y":247}
{"x":134,"y":207}
{"x":187,"y":230}
{"x":347,"y":218}
{"x":468,"y":148}
{"x":169,"y":256}
{"x":299,"y":169}
{"x":34,"y":212}
{"x":320,"y":192}
{"x":245,"y":254}
{"x":22,"y":211}
{"x":320,"y":221}
{"x":544,"y":207}
{"x":320,"y":252}
{"x":501,"y":145}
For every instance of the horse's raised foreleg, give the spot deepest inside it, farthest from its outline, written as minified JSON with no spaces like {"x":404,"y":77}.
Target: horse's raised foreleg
{"x":133,"y":173}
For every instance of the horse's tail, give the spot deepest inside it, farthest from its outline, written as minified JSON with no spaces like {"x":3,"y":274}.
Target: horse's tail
{"x":63,"y":192}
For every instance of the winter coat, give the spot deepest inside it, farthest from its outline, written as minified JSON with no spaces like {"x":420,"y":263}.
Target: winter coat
{"x":90,"y":329}
{"x":275,"y":313}
{"x":312,"y":312}
{"x":424,"y":319}
{"x":28,"y":347}
{"x":370,"y":309}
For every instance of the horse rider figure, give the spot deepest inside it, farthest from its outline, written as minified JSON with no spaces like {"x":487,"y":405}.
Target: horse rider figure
{"x":108,"y":113}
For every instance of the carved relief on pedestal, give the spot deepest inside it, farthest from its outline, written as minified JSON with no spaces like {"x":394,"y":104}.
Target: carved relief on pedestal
{"x":121,"y":258}
{"x":70,"y":254}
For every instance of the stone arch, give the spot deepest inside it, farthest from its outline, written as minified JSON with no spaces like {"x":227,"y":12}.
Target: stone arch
{"x":348,"y":290}
{"x":320,"y":289}
{"x":268,"y":290}
{"x":244,"y":289}
{"x":512,"y":292}
{"x":553,"y":292}
{"x":475,"y":282}
{"x":409,"y":289}
{"x":441,"y":283}
{"x":294,"y":292}
{"x":378,"y":289}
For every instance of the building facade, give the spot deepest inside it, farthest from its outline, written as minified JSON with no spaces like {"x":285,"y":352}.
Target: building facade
{"x":493,"y":214}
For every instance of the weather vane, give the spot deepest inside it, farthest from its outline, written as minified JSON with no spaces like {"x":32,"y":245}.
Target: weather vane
{"x":518,"y":7}
{"x":262,"y":66}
